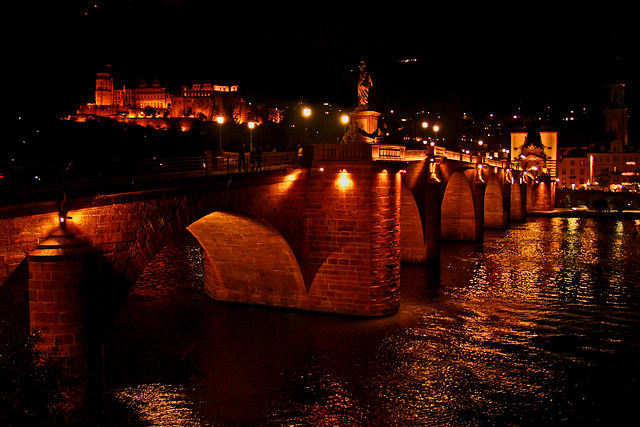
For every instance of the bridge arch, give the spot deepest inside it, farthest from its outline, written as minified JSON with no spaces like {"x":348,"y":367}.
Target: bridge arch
{"x":248,"y":260}
{"x":458,"y":220}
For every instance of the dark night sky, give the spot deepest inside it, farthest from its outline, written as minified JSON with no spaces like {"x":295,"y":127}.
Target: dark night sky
{"x":484,"y":57}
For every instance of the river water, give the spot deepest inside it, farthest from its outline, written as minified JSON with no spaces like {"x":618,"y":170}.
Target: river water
{"x":538,"y":324}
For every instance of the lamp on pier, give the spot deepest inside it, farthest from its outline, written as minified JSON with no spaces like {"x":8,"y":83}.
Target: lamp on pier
{"x":220,"y":121}
{"x":251,"y":125}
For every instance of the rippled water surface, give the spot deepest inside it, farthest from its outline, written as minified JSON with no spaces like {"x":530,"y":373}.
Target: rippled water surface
{"x":536,"y":325}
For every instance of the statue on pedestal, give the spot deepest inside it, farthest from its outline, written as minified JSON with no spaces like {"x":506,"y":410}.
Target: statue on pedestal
{"x":364,"y":85}
{"x":364,"y":122}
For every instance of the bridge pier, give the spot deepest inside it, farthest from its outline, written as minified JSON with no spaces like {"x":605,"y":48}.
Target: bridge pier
{"x":432,"y":222}
{"x":64,"y":306}
{"x":540,"y":195}
{"x":353,"y":260}
{"x":518,"y":202}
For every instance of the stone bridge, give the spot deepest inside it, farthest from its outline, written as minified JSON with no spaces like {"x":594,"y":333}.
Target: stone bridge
{"x":330,"y":237}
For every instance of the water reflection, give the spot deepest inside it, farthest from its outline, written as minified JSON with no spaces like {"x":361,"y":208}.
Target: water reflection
{"x":537,"y":325}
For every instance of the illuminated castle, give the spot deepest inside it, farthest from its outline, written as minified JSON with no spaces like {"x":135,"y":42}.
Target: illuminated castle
{"x":202,"y":101}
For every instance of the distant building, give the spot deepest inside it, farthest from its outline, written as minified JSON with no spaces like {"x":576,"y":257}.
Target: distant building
{"x":612,"y":165}
{"x":202,"y":101}
{"x":616,"y":169}
{"x":573,"y":170}
{"x":536,"y":152}
{"x":616,"y":117}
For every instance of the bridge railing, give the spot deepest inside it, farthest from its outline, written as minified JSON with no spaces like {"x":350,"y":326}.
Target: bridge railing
{"x":125,"y":176}
{"x":442,"y":152}
{"x":341,"y":152}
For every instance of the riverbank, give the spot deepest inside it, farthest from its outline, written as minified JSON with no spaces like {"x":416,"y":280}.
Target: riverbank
{"x":585,"y":213}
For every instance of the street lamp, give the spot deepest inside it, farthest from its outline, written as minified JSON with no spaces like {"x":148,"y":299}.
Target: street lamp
{"x":306,"y":112}
{"x":345,"y":121}
{"x":251,"y":125}
{"x":436,"y":128}
{"x":220,"y":121}
{"x":424,"y":126}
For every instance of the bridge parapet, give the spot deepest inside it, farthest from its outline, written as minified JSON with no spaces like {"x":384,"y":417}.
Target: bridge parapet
{"x":432,"y":151}
{"x":350,"y":152}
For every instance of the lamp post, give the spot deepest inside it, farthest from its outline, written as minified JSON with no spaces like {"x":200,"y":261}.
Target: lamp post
{"x":251,"y":125}
{"x":306,"y":113}
{"x":220,"y":121}
{"x":344,"y":119}
{"x":425,"y":125}
{"x":436,"y":128}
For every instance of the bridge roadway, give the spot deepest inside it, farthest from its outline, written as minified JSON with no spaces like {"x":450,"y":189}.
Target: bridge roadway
{"x":327,"y":237}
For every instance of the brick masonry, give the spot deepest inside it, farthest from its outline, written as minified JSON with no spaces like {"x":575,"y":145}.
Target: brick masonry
{"x":64,"y":291}
{"x":328,"y":246}
{"x":354,"y":237}
{"x":496,"y":213}
{"x":458,"y":210}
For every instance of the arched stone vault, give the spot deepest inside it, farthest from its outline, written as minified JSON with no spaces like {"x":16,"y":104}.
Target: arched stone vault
{"x":247,"y":259}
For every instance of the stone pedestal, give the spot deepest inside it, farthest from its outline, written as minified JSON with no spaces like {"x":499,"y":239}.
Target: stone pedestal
{"x":64,"y":298}
{"x":364,"y":127}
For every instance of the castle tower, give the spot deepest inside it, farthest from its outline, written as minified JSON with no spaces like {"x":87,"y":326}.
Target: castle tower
{"x":104,"y":89}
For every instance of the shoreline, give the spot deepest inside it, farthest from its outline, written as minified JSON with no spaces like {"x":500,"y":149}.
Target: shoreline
{"x":583,"y":213}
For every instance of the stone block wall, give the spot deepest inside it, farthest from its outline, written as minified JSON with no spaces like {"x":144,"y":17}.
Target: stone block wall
{"x":353,"y":254}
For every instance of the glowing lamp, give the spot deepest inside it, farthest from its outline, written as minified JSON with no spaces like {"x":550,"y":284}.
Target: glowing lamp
{"x":343,"y":180}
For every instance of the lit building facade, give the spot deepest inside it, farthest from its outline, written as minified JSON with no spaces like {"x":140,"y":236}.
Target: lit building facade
{"x":536,"y":153}
{"x":202,"y":101}
{"x":618,"y":168}
{"x":574,"y":171}
{"x":615,"y":170}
